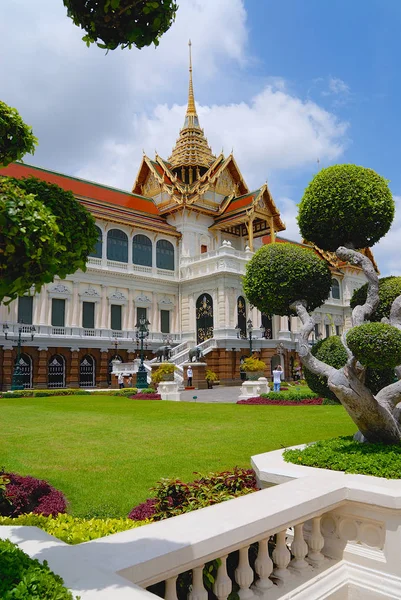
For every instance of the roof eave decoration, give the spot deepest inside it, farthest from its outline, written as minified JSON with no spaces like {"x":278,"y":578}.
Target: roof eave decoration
{"x":336,"y":262}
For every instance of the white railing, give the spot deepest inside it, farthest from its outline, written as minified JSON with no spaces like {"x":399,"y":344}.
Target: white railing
{"x":115,"y":265}
{"x":58,"y":331}
{"x":302,"y":540}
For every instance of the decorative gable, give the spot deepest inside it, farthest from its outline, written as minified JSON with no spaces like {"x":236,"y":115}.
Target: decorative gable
{"x":151,"y":187}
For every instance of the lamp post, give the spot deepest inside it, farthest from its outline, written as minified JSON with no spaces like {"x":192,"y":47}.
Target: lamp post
{"x":16,"y":383}
{"x":141,"y":333}
{"x":249,"y":329}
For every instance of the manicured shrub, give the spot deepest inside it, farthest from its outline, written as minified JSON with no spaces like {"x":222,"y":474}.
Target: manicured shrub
{"x":282,"y":401}
{"x":73,"y":530}
{"x":28,"y":494}
{"x":332,"y":352}
{"x":16,"y":138}
{"x":346,"y":204}
{"x":293,"y":396}
{"x":174,"y":497}
{"x":375,"y":345}
{"x":389,"y":290}
{"x":25,"y":578}
{"x":278,"y":274}
{"x":164,"y":372}
{"x":345,"y":454}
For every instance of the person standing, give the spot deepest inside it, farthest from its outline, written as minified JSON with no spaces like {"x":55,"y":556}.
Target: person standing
{"x":277,"y":376}
{"x":120,"y":380}
{"x":189,"y":376}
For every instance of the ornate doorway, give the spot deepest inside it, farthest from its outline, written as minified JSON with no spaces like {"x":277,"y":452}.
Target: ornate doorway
{"x":56,"y":372}
{"x":25,"y":364}
{"x":87,"y":372}
{"x":204,"y":318}
{"x":241,"y":316}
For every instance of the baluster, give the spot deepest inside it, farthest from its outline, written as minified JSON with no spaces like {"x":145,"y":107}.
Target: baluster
{"x":281,"y":557}
{"x":244,"y":575}
{"x":316,"y":543}
{"x":223,"y":584}
{"x":299,"y":549}
{"x":198,"y":591}
{"x":171,"y":589}
{"x":263,"y":567}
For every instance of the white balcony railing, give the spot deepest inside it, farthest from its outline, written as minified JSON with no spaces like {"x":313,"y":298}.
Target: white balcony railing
{"x":308,"y":539}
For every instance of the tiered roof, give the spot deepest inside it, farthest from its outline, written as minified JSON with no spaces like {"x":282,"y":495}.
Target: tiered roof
{"x":192,"y":148}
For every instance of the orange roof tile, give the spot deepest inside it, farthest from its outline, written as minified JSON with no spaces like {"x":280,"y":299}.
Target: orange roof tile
{"x":83,"y":188}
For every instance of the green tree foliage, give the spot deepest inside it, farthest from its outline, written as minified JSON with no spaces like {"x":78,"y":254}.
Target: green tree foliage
{"x":77,"y":232}
{"x":16,"y":138}
{"x":346,"y":205}
{"x":332,"y":352}
{"x":389,"y":290}
{"x":28,"y":241}
{"x":278,"y":274}
{"x":124,"y":23}
{"x":376,"y":345}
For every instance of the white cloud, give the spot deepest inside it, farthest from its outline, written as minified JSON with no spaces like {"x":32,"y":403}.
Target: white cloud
{"x":276,"y":131}
{"x":387,"y":251}
{"x":338,"y":86}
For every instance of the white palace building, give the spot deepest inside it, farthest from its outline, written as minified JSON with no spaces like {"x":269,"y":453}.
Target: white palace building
{"x":174,"y":249}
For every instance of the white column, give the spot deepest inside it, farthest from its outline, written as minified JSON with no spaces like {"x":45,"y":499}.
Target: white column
{"x":316,"y":543}
{"x":299,"y":549}
{"x":75,"y":305}
{"x":103,"y":309}
{"x":129,"y":310}
{"x":284,"y":333}
{"x":171,"y":589}
{"x":223,"y":584}
{"x":281,"y":557}
{"x":198,"y":591}
{"x":45,"y":308}
{"x":263,"y":567}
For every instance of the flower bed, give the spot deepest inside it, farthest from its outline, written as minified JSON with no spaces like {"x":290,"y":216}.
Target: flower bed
{"x":283,"y":401}
{"x":20,"y":495}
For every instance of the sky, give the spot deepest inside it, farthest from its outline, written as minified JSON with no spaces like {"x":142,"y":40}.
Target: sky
{"x":289,"y":86}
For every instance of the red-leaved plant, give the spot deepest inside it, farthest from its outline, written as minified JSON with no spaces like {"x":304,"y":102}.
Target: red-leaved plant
{"x":259,"y":400}
{"x":27,"y":494}
{"x":174,"y":497}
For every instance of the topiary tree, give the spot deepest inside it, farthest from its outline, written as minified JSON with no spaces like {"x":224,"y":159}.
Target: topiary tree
{"x":44,"y":230}
{"x":78,"y":233}
{"x":346,"y":207}
{"x":124,"y":23}
{"x":331,"y":350}
{"x":16,"y":138}
{"x":389,"y":289}
{"x":278,"y":274}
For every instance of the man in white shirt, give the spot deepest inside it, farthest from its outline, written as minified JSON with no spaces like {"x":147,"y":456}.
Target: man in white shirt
{"x":189,"y":376}
{"x":277,"y":376}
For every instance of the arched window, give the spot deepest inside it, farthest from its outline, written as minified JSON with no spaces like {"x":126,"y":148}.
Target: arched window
{"x":267,"y":326}
{"x":97,"y":250}
{"x":87,"y":372}
{"x":204,"y":318}
{"x":335,"y":289}
{"x":241,"y":316}
{"x":117,"y":245}
{"x":142,"y":250}
{"x":56,"y":371}
{"x":25,"y":369}
{"x":165,"y":255}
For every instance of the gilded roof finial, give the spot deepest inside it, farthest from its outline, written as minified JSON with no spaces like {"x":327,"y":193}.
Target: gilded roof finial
{"x":191,"y":110}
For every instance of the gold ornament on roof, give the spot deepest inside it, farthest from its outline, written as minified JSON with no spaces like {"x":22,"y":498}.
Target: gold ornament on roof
{"x":191,"y":149}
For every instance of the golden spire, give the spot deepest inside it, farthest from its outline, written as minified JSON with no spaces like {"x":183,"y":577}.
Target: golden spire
{"x":191,"y":149}
{"x":191,"y":110}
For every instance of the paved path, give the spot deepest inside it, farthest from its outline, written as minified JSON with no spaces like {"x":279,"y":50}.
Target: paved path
{"x":217,"y":394}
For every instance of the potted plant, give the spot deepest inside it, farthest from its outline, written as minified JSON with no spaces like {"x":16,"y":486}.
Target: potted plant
{"x":210,"y":377}
{"x":164,"y":373}
{"x":253,"y":367}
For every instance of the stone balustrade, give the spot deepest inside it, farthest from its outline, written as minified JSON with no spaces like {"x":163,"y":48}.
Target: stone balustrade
{"x":319,"y":536}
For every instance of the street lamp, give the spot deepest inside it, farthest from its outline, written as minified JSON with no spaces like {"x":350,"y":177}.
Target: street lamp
{"x":16,"y":383}
{"x":249,"y":329}
{"x":141,"y":333}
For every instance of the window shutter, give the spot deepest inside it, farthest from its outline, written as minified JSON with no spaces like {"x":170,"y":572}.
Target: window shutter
{"x":58,"y":312}
{"x":165,"y":321}
{"x":25,"y":309}
{"x":88,"y":315}
{"x":115,"y":317}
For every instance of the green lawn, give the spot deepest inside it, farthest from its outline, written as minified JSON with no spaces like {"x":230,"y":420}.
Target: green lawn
{"x":106,"y":452}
